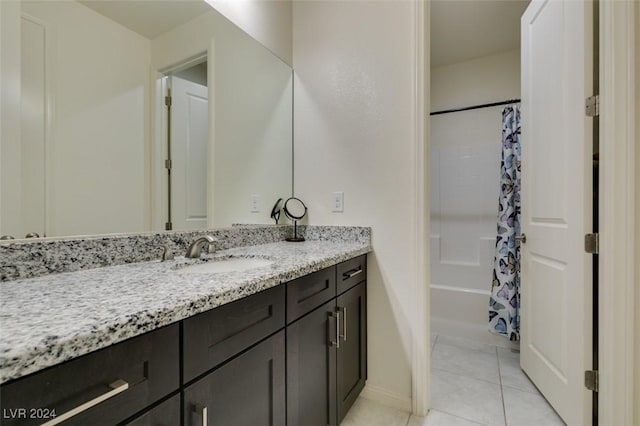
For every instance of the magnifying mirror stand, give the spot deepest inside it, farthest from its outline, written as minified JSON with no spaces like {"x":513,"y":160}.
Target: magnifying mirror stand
{"x":295,"y":238}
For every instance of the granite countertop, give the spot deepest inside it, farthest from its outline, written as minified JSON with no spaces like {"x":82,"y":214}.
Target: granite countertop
{"x":47,"y":320}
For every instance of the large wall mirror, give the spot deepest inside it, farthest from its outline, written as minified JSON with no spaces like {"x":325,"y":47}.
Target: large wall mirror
{"x":132,"y":116}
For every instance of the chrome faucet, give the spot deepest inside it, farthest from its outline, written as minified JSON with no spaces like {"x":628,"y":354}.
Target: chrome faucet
{"x":196,"y":247}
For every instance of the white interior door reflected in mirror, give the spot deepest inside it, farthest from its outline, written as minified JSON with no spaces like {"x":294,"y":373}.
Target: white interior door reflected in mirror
{"x":189,"y":148}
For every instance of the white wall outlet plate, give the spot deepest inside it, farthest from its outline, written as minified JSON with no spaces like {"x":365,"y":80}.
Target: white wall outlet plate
{"x":255,"y":204}
{"x":337,"y":205}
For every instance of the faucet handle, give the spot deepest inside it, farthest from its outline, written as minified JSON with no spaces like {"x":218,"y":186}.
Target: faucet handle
{"x":211,"y":247}
{"x":166,"y":253}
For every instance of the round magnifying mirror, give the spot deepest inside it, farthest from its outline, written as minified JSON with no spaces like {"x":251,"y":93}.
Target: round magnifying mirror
{"x":295,"y":210}
{"x":275,"y":211}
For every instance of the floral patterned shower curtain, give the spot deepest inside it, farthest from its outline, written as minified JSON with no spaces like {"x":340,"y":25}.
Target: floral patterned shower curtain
{"x":504,"y":305}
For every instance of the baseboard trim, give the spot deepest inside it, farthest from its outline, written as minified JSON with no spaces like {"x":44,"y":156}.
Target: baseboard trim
{"x":385,"y":397}
{"x":465,"y":330}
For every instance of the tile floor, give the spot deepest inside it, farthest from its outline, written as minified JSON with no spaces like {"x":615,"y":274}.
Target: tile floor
{"x":472,"y":384}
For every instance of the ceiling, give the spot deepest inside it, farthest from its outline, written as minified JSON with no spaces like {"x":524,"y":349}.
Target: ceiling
{"x":149,"y":18}
{"x":467,"y":29}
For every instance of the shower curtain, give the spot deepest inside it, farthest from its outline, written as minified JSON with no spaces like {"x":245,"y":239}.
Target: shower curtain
{"x":504,"y":304}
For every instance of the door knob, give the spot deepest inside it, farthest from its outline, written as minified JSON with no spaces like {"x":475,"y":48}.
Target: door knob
{"x":522,"y":238}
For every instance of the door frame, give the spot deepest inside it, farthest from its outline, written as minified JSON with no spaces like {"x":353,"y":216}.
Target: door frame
{"x":617,"y":224}
{"x":158,"y":187}
{"x":617,"y":215}
{"x":420,"y":341}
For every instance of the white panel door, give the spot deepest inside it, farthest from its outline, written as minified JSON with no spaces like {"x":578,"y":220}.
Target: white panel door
{"x":189,"y":142}
{"x":556,"y":275}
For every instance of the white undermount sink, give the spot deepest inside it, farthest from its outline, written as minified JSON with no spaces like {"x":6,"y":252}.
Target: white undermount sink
{"x":227,"y":265}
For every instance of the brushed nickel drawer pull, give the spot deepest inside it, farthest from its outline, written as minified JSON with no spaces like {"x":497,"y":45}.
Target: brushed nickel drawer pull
{"x":352,"y":273}
{"x":117,"y":387}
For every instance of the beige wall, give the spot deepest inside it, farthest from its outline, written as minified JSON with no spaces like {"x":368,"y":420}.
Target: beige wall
{"x":268,"y":21}
{"x":637,"y":221}
{"x":487,"y":79}
{"x":99,"y":131}
{"x":355,"y":132}
{"x":10,"y":151}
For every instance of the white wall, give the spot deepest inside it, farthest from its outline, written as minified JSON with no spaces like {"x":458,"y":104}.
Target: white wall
{"x":354,"y":131}
{"x":95,"y":170}
{"x":465,"y":174}
{"x":268,"y":21}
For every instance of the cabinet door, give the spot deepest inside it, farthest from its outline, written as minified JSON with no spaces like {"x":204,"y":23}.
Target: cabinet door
{"x":311,"y":368}
{"x":352,"y":353}
{"x":247,"y":391}
{"x":164,"y":414}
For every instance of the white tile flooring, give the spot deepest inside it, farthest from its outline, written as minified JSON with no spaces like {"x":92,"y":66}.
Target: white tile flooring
{"x":471,"y":384}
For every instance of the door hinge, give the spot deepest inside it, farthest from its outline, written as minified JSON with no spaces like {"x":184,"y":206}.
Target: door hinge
{"x":591,"y":380}
{"x":167,"y":100}
{"x":592,"y":106}
{"x":167,"y":164}
{"x":592,"y":243}
{"x":168,"y":226}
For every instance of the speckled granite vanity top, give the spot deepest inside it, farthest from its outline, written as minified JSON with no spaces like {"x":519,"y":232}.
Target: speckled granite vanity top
{"x":54,"y":318}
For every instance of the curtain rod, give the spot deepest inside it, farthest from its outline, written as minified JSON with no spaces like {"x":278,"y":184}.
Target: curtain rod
{"x":446,"y":111}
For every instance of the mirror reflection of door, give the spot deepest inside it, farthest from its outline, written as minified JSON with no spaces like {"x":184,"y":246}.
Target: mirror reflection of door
{"x":189,"y":146}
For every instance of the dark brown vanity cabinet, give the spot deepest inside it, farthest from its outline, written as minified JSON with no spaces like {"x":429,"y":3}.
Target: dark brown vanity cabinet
{"x":167,"y":413}
{"x":294,"y":355}
{"x":215,"y":336}
{"x":247,"y":386}
{"x":326,"y":351}
{"x":102,"y":388}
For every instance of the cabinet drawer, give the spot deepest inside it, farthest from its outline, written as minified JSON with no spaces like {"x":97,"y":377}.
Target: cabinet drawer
{"x":165,"y":414}
{"x":351,"y":272}
{"x":149,"y":364}
{"x":307,"y":293}
{"x":212,"y":337}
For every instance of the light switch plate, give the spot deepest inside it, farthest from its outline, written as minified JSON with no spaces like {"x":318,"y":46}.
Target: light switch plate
{"x":255,"y":204}
{"x":338,"y":202}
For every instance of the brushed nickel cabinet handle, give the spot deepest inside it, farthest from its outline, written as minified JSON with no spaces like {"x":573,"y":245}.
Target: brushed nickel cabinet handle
{"x":117,"y":387}
{"x":344,"y":323}
{"x":332,"y":342}
{"x":202,"y":411}
{"x":352,"y":273}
